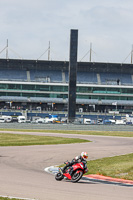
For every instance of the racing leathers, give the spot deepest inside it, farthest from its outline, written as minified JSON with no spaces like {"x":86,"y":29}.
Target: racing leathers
{"x":77,"y":159}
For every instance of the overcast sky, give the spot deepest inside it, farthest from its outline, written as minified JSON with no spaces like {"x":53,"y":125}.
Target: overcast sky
{"x":29,"y":25}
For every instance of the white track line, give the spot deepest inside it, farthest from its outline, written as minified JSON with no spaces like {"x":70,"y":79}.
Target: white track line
{"x":10,"y":197}
{"x":53,"y":171}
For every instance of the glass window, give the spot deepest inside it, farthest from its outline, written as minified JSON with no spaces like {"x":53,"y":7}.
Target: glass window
{"x":17,"y":94}
{"x":3,"y":86}
{"x":112,"y":97}
{"x":95,"y":97}
{"x":28,"y":87}
{"x":83,"y":89}
{"x":113,"y":90}
{"x":127,"y":90}
{"x":123,"y":98}
{"x":129,"y":98}
{"x":18,"y":86}
{"x":59,"y":88}
{"x":42,"y":87}
{"x":99,"y":90}
{"x":65,"y":96}
{"x":14,"y":86}
{"x":82,"y":97}
{"x":53,"y":95}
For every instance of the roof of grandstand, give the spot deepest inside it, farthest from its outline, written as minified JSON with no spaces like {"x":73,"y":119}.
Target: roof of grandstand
{"x":63,"y":65}
{"x":58,"y":72}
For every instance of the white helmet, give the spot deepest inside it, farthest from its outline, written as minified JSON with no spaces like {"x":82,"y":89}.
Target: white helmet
{"x":84,"y":155}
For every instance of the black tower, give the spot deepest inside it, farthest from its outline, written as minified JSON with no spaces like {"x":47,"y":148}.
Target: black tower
{"x":72,"y":75}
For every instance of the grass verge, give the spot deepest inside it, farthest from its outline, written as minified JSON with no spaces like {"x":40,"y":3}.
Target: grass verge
{"x":25,"y":140}
{"x":116,"y":167}
{"x":103,"y":133}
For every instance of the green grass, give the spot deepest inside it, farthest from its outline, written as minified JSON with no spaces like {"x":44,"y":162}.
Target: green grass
{"x":117,"y":167}
{"x":24,"y":140}
{"x":103,"y":133}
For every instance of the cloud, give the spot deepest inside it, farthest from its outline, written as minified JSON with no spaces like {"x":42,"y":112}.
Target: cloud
{"x":30,"y":25}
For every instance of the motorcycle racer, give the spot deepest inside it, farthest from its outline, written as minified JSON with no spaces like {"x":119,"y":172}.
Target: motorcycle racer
{"x":81,"y":158}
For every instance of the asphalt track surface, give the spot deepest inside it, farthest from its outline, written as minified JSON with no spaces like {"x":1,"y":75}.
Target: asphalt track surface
{"x":22,"y":170}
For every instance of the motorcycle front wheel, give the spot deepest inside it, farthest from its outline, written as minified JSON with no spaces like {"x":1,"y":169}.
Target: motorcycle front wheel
{"x":59,"y":176}
{"x":77,"y":176}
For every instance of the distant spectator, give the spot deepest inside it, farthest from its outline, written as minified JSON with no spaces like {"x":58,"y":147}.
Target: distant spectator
{"x":118,"y":81}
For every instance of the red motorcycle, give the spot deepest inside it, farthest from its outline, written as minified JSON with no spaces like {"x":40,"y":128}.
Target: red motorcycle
{"x":78,"y":170}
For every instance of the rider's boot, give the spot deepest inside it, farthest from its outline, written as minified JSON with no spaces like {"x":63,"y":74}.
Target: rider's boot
{"x":60,"y":170}
{"x":71,"y":171}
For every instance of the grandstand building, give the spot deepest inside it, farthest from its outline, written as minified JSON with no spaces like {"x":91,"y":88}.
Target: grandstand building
{"x":29,"y":84}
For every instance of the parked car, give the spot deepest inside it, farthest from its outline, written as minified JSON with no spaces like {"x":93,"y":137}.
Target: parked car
{"x":106,"y":121}
{"x":100,"y":121}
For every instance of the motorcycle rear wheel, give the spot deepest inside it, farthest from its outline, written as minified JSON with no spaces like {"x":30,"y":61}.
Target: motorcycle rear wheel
{"x":59,"y":176}
{"x":77,"y":176}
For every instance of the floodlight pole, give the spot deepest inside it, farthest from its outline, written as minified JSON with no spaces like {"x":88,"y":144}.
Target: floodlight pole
{"x":132,"y":55}
{"x":49,"y":51}
{"x":90,"y":51}
{"x":7,"y":50}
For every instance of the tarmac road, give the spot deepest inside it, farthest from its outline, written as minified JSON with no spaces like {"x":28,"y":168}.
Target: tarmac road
{"x":22,"y":170}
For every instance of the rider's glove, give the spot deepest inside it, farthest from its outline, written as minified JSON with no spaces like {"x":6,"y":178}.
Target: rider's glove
{"x":73,"y":161}
{"x":67,"y":163}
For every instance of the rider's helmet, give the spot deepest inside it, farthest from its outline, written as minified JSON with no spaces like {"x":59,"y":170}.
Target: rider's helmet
{"x":84,"y":155}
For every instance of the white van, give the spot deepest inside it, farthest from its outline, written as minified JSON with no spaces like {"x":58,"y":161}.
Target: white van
{"x":2,"y":120}
{"x":87,"y":121}
{"x":112,"y":121}
{"x":50,"y":120}
{"x":40,"y":121}
{"x":121,"y":121}
{"x":21,"y":119}
{"x":7,"y":118}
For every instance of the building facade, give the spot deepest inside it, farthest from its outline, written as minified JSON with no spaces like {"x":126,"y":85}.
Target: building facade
{"x":29,"y":84}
